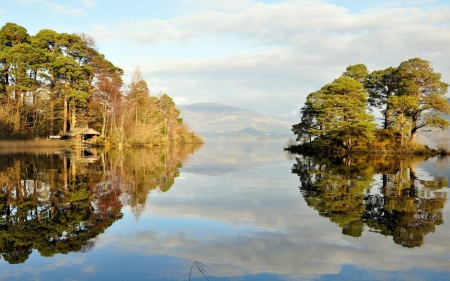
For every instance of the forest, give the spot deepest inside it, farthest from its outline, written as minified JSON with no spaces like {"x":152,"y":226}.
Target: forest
{"x":53,"y":82}
{"x":340,"y":117}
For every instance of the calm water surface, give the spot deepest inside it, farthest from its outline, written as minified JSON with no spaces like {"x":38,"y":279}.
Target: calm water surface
{"x":242,"y":208}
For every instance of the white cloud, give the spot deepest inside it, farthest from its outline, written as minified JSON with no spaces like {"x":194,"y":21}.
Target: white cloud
{"x":63,"y":10}
{"x":254,"y":53}
{"x":180,"y":100}
{"x":230,"y":5}
{"x":89,"y":269}
{"x":286,"y":239}
{"x":102,"y":32}
{"x":60,"y":9}
{"x":63,"y":261}
{"x":292,"y":25}
{"x":88,"y":3}
{"x":253,"y":78}
{"x":149,"y":31}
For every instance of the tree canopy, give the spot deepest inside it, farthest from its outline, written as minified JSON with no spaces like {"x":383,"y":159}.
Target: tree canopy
{"x":52,"y":82}
{"x":336,"y":114}
{"x":410,"y":97}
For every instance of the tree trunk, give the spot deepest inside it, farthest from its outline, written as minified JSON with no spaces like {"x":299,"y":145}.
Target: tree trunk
{"x":413,"y":135}
{"x":385,"y":184}
{"x":73,"y":117}
{"x":104,"y":118}
{"x":385,"y":126}
{"x":65,"y":115}
{"x":414,"y":129}
{"x":52,"y":129}
{"x":349,"y":144}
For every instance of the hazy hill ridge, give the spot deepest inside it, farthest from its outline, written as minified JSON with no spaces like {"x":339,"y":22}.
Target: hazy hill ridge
{"x":218,"y":119}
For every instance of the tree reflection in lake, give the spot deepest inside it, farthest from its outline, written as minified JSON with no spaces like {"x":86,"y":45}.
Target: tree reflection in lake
{"x":59,"y":203}
{"x":404,"y":206}
{"x":137,"y":172}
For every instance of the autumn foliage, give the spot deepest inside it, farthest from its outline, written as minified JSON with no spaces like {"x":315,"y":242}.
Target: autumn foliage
{"x":52,"y":82}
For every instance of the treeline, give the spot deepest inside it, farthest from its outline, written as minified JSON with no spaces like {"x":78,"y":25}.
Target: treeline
{"x":339,"y":116}
{"x":52,"y":82}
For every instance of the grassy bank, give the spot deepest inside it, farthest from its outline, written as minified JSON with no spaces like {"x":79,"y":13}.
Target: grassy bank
{"x":57,"y":143}
{"x":35,"y":143}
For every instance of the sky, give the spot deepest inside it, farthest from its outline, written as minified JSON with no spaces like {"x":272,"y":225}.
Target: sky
{"x":265,"y":56}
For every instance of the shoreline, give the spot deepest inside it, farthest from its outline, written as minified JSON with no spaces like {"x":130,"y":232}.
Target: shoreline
{"x":337,"y":151}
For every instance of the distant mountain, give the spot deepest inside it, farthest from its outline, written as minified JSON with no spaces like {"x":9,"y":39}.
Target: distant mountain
{"x":213,"y":119}
{"x":249,"y":132}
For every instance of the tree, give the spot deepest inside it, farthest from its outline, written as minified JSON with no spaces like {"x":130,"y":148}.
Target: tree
{"x":358,"y":72}
{"x":382,"y":84}
{"x":124,"y":111}
{"x":166,"y":106}
{"x":398,"y":114}
{"x":410,"y":97}
{"x":308,"y":121}
{"x":418,"y":80}
{"x":46,"y":41}
{"x":148,"y":121}
{"x":15,"y":58}
{"x":107,"y":90}
{"x":104,"y":83}
{"x":138,"y":88}
{"x":338,"y":114}
{"x":53,"y":81}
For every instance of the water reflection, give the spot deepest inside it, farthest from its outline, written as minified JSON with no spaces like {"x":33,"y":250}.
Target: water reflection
{"x":403,"y":206}
{"x":60,"y":202}
{"x":245,"y":221}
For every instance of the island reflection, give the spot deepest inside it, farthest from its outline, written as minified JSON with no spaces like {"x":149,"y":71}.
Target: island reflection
{"x":383,"y":194}
{"x":60,"y":202}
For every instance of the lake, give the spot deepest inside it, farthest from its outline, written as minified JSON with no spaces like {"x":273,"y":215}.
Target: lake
{"x":238,"y":209}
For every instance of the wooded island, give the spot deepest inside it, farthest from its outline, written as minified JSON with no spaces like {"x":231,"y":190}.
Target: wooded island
{"x":53,"y":82}
{"x":338,"y":117}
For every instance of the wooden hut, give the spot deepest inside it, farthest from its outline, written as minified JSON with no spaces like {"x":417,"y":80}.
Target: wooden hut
{"x":82,"y":134}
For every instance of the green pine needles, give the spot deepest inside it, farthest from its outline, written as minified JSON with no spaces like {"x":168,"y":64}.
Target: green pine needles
{"x":338,"y":116}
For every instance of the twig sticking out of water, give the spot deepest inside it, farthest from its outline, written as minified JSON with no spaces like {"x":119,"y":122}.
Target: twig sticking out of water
{"x":201,"y":267}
